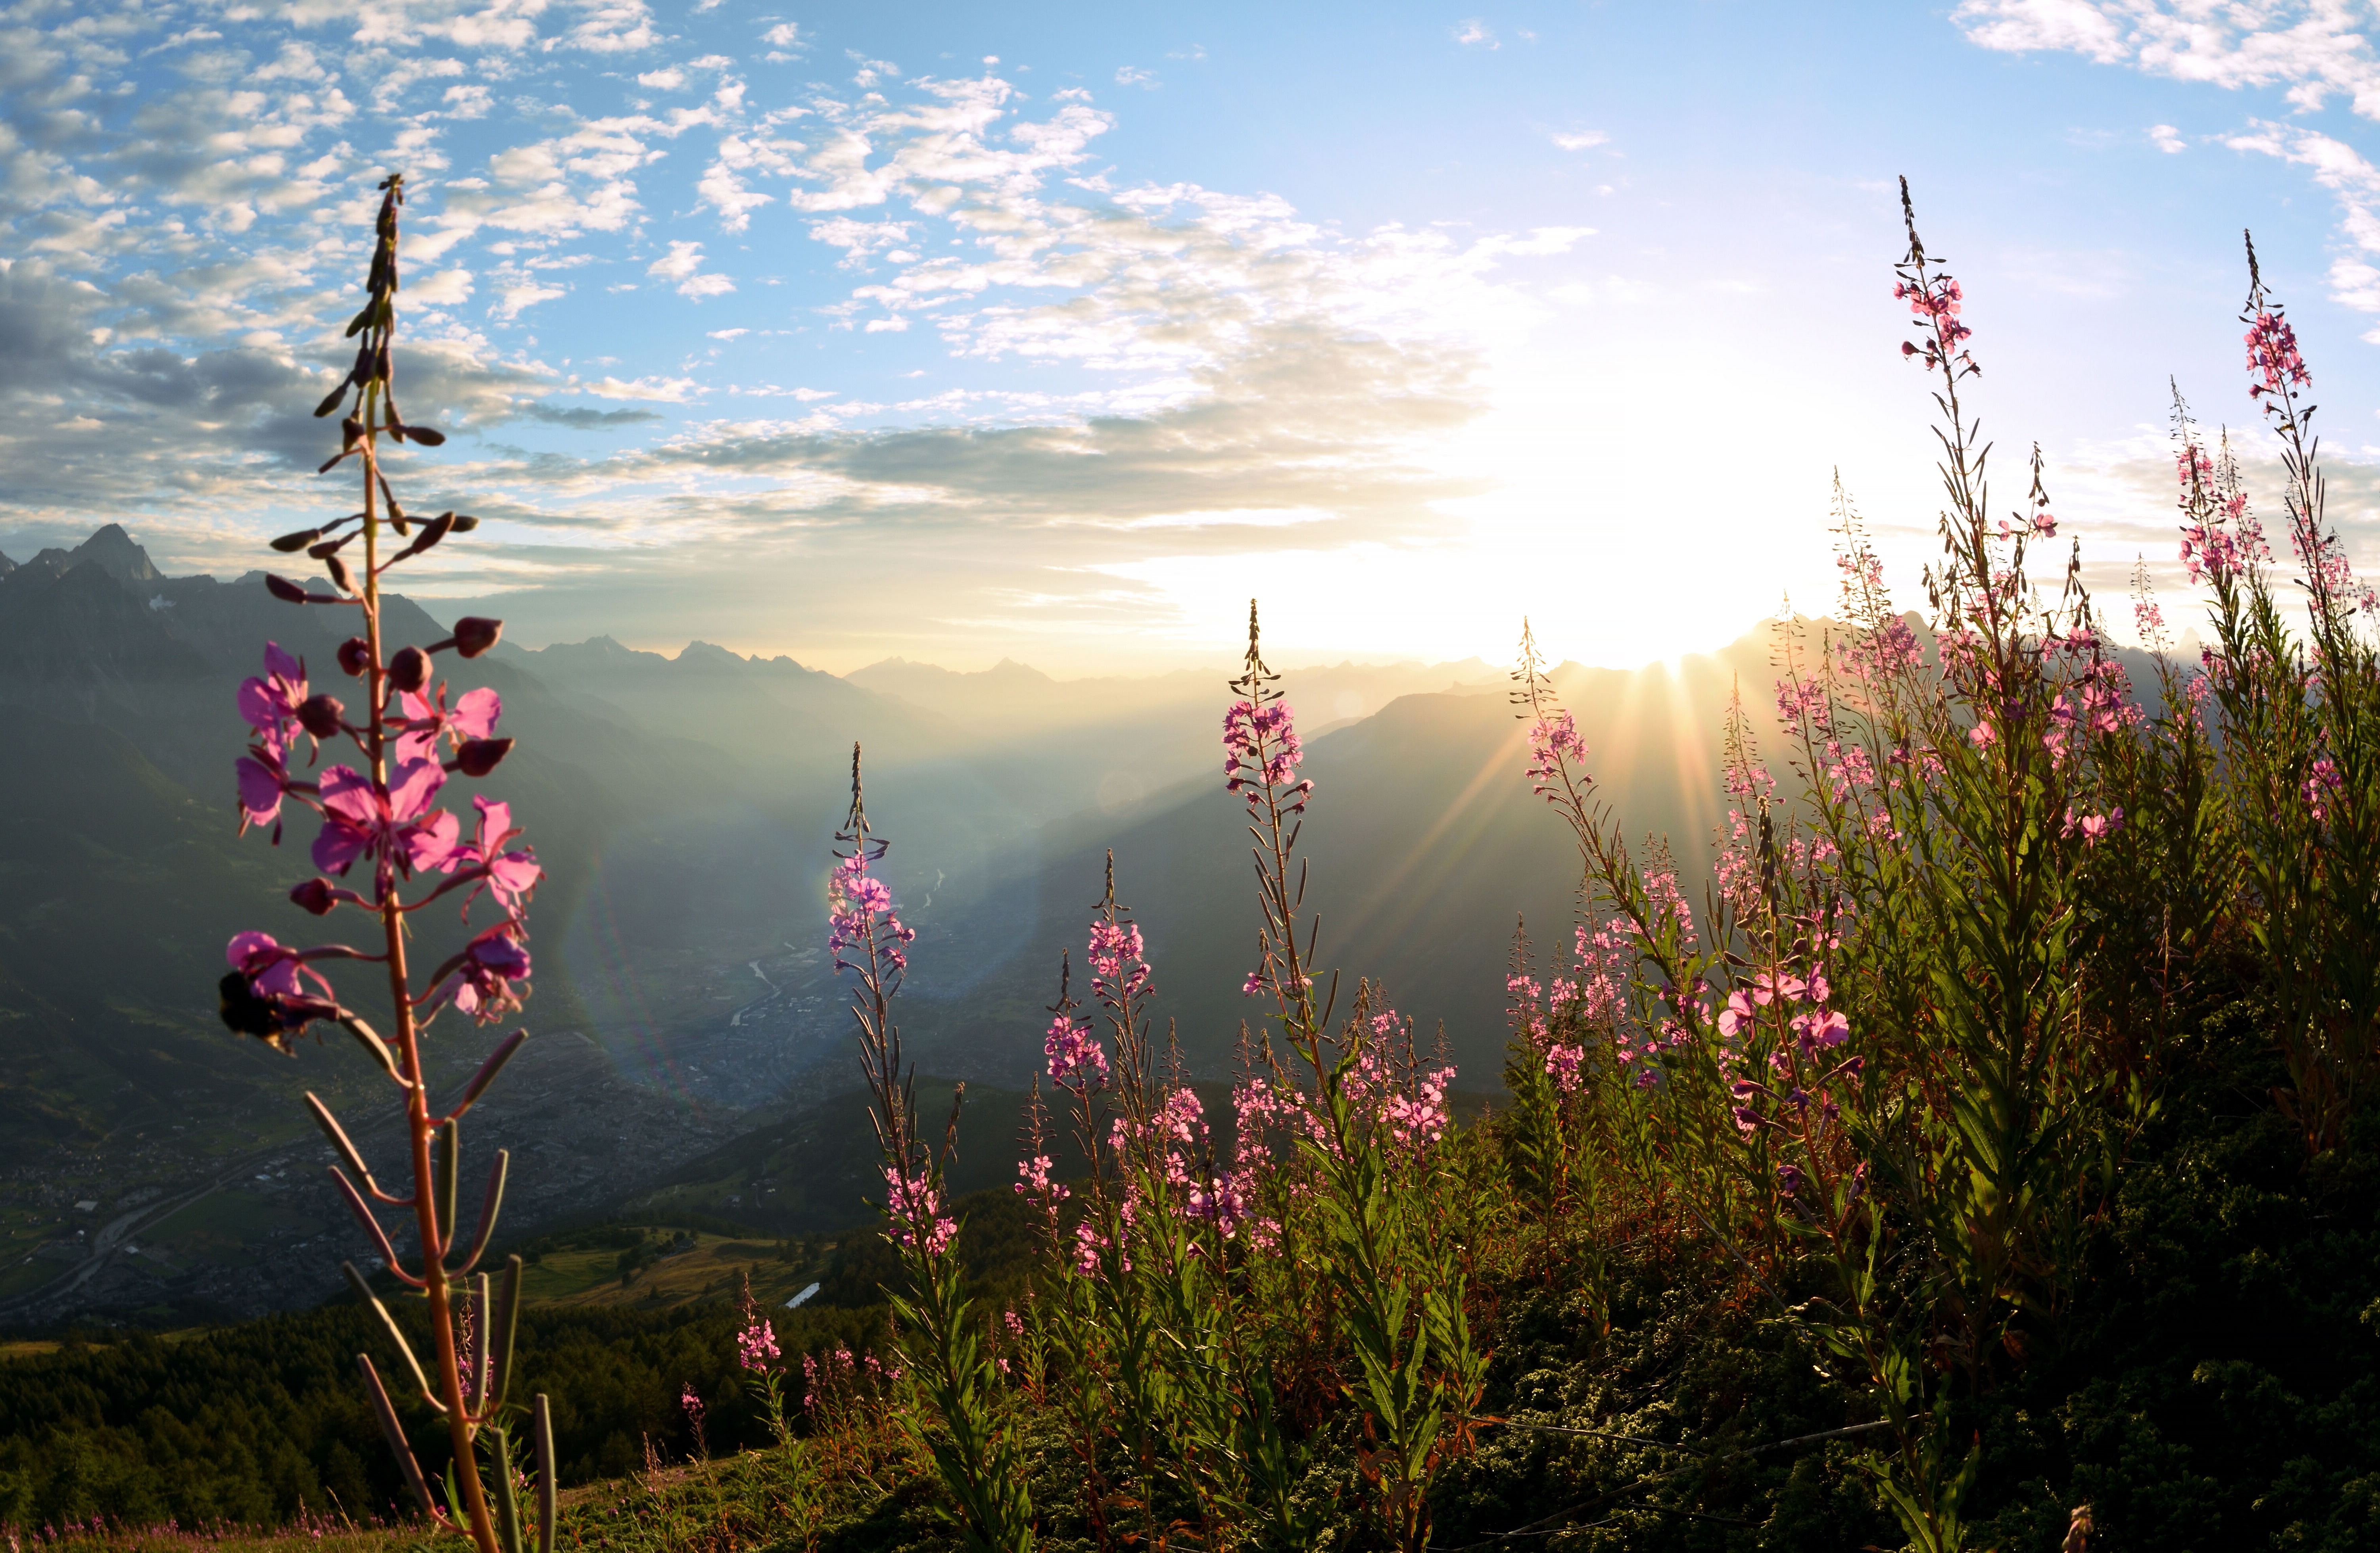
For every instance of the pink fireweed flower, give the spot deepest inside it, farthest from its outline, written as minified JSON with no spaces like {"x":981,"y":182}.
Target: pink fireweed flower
{"x":1113,"y":943}
{"x":1799,"y":697}
{"x":1939,"y":304}
{"x":361,"y":819}
{"x":1418,"y":1121}
{"x":511,"y":877}
{"x":1074,"y":1054}
{"x":263,"y":779}
{"x":917,"y":1207}
{"x":1222,"y":1202}
{"x":2272,"y":356}
{"x":856,"y":900}
{"x":1036,"y":1182}
{"x":2208,"y":553}
{"x":1261,"y":750}
{"x":2095,"y":828}
{"x":2320,"y":783}
{"x":1563,"y":1064}
{"x":269,"y":984}
{"x":1181,"y":1118}
{"x":1820,"y":1028}
{"x":480,"y":981}
{"x":756,"y":1345}
{"x":269,"y":704}
{"x":426,"y":722}
{"x":1553,"y":739}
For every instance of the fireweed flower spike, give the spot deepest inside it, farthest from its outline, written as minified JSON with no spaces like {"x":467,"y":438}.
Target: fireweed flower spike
{"x":977,"y":1453}
{"x":380,"y":808}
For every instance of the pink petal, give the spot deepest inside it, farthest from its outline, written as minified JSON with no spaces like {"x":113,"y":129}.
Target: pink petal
{"x":495,"y":822}
{"x":515,"y":873}
{"x":245,"y":947}
{"x":430,"y":841}
{"x":282,"y":666}
{"x":412,"y":788}
{"x":347,"y":794}
{"x":260,"y":706}
{"x":341,"y":842}
{"x":477,"y":712}
{"x":260,"y":790}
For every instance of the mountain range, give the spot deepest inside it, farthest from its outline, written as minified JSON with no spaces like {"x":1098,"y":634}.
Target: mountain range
{"x":684,"y":807}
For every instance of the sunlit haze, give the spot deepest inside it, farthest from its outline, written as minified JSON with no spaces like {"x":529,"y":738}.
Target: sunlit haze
{"x":1056,"y":333}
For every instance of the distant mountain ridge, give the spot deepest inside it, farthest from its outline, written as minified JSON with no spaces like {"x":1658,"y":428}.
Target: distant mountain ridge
{"x":684,"y":806}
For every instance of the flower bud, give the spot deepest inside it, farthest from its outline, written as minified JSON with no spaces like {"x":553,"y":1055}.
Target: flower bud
{"x":355,"y":656}
{"x":474,"y":635}
{"x":298,"y":540}
{"x":321,"y":715}
{"x":409,"y":670}
{"x":284,"y":590}
{"x":476,"y":758}
{"x":315,"y":893}
{"x":339,"y":573}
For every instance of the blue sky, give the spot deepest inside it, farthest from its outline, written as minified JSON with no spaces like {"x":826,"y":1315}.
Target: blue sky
{"x":931,"y":330}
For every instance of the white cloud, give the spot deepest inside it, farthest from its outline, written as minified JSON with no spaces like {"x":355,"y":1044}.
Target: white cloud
{"x":444,"y":290}
{"x":1132,"y":75}
{"x":664,"y":391}
{"x":2314,"y":47}
{"x":670,"y":80}
{"x":611,"y":27}
{"x":1583,"y":139}
{"x":679,"y":266}
{"x":859,"y":240}
{"x":512,"y":299}
{"x":1472,"y":32}
{"x":2166,"y":138}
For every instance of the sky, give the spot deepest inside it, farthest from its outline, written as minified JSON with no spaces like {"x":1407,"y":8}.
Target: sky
{"x":1056,"y":333}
